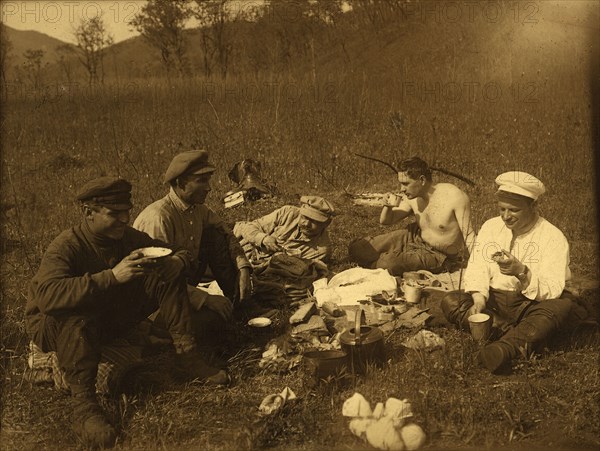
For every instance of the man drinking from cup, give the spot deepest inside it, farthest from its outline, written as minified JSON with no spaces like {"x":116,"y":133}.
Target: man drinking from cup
{"x":95,"y":288}
{"x":517,"y":272}
{"x":437,"y":241}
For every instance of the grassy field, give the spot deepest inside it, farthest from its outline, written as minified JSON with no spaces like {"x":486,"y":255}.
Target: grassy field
{"x":305,"y":132}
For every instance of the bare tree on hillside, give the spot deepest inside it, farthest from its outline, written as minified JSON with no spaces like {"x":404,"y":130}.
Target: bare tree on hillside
{"x":33,"y":66}
{"x":375,"y":13}
{"x":296,"y":28}
{"x":216,"y":19}
{"x":65,"y":51}
{"x":5,"y":49}
{"x":162,"y":23}
{"x":92,"y":41}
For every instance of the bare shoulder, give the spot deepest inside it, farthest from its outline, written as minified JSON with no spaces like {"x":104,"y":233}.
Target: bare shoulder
{"x":451,"y":193}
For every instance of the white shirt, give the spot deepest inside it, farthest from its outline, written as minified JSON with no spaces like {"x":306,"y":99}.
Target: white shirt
{"x":544,"y":249}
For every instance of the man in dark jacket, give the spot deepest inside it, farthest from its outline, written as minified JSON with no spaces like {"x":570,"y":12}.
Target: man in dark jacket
{"x":94,"y":286}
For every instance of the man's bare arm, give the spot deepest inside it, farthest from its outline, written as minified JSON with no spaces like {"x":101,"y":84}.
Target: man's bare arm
{"x":463,"y":217}
{"x":393,"y":212}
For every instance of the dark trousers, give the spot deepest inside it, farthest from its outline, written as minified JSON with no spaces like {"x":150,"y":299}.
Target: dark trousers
{"x":214,"y":253}
{"x":78,"y":337}
{"x":398,"y":251}
{"x":525,"y":323}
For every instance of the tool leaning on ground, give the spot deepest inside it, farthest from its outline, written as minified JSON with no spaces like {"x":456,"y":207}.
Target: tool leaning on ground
{"x":396,"y":170}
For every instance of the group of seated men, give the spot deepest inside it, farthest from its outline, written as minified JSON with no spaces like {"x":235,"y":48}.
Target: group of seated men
{"x":94,"y":285}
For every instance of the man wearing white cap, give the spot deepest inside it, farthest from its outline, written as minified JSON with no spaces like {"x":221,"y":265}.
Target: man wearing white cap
{"x":299,"y":231}
{"x":517,"y":272}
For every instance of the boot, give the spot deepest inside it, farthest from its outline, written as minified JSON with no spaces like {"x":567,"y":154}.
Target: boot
{"x":192,"y":365}
{"x":90,"y":423}
{"x":523,"y":338}
{"x":496,"y":357}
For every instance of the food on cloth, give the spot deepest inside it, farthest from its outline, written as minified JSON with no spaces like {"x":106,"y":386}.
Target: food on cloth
{"x":332,"y":309}
{"x":304,"y":312}
{"x":315,"y":325}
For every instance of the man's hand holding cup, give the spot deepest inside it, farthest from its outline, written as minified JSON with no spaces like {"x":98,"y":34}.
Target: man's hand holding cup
{"x":391,"y":200}
{"x":133,"y":266}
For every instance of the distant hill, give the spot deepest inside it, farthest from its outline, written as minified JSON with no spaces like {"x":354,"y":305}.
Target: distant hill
{"x":407,"y":50}
{"x":23,"y":40}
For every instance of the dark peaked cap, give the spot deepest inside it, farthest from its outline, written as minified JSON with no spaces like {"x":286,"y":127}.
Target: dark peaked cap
{"x":109,"y":192}
{"x":190,"y":162}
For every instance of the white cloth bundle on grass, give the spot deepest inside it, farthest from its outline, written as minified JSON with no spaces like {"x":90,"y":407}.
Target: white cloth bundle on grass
{"x":352,"y":285}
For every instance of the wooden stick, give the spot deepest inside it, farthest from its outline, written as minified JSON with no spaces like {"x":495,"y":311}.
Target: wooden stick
{"x":443,"y":171}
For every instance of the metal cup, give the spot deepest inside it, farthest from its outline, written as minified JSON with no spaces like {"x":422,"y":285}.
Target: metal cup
{"x":481,"y":326}
{"x":412,"y":293}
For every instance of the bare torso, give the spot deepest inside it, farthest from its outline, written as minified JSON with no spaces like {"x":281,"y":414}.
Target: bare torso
{"x":437,"y":219}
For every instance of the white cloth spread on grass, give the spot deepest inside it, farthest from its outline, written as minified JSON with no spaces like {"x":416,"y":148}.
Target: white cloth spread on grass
{"x":352,"y":285}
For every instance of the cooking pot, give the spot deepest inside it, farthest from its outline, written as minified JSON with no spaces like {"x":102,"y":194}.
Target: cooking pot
{"x":363,"y":344}
{"x":325,"y":365}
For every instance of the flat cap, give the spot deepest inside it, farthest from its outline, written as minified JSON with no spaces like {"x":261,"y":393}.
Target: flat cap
{"x":190,"y":162}
{"x":520,"y":183}
{"x":316,"y":208}
{"x":110,"y":192}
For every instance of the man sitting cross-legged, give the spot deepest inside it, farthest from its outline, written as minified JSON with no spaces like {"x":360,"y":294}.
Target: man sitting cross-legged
{"x":182,"y":218}
{"x":517,"y":273}
{"x":438,"y":240}
{"x":94,"y":287}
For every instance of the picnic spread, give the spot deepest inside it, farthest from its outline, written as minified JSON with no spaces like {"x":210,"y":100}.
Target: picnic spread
{"x":317,"y":324}
{"x":356,"y":299}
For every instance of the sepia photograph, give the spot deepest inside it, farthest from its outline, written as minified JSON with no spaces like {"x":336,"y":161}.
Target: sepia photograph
{"x":299,"y":225}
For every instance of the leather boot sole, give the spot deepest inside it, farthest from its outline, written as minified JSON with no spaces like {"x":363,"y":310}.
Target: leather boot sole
{"x":494,"y":358}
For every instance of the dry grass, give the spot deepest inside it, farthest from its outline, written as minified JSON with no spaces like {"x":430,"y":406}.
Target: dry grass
{"x":305,"y":136}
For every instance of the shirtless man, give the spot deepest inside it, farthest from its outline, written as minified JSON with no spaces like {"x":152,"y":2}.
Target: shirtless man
{"x":438,"y":240}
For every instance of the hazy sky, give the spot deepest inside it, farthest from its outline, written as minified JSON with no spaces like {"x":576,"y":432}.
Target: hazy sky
{"x":59,"y":18}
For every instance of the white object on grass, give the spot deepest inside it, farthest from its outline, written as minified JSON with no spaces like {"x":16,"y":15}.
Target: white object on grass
{"x":412,"y":436}
{"x":398,"y":410}
{"x":259,"y":322}
{"x":378,"y":411}
{"x":356,"y":406}
{"x":354,"y":284}
{"x":382,"y":434}
{"x":358,"y":426}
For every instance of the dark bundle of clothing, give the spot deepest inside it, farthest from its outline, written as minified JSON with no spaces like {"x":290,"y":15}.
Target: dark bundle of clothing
{"x":286,"y":278}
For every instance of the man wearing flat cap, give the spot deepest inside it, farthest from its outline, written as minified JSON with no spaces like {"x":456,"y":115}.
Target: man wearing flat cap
{"x":299,"y":231}
{"x":517,"y":272}
{"x":182,"y":218}
{"x":94,"y":286}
